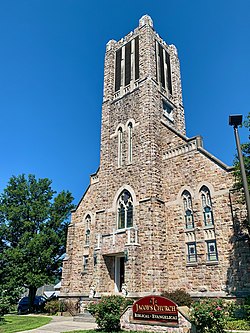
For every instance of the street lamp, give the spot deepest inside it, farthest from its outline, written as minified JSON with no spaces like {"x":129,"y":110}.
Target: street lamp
{"x":235,"y":121}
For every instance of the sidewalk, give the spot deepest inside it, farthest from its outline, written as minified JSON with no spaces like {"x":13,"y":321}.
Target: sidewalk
{"x":62,"y":324}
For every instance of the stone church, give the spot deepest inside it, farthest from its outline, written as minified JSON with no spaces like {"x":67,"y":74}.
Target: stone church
{"x":159,"y":213}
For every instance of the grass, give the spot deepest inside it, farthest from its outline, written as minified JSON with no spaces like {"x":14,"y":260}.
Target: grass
{"x":99,"y":331}
{"x":13,"y":324}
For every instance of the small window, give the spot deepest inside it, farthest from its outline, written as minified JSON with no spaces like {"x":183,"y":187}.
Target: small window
{"x":87,"y":229}
{"x":188,"y":210}
{"x":207,"y":206}
{"x":125,"y":210}
{"x":85,"y":263}
{"x":212,"y":254}
{"x":120,"y":146}
{"x":191,"y":252}
{"x":167,"y":110}
{"x":130,"y":137}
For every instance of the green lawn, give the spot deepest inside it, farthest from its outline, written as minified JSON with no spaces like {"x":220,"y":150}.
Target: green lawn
{"x":98,"y":331}
{"x":13,"y":324}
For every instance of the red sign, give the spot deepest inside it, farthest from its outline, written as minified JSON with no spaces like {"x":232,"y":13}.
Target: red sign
{"x":155,"y":308}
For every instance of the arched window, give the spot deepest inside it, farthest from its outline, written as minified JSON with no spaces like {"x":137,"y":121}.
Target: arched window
{"x":125,"y":210}
{"x":120,"y":144}
{"x":206,"y":206}
{"x":188,"y":209}
{"x":87,"y":229}
{"x":130,"y":137}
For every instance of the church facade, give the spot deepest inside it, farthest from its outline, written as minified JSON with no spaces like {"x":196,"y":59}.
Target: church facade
{"x":159,"y":213}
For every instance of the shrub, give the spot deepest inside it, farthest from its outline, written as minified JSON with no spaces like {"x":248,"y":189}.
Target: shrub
{"x":237,"y":325}
{"x":5,"y":303}
{"x":208,"y":316}
{"x":52,"y":307}
{"x":8,"y":299}
{"x":179,"y":296}
{"x":108,"y":310}
{"x":240,"y":311}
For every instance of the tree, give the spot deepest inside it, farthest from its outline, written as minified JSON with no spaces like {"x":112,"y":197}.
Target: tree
{"x":246,"y":156}
{"x":33,"y":226}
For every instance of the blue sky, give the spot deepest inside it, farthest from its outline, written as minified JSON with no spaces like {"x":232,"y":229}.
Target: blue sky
{"x":51,"y":78}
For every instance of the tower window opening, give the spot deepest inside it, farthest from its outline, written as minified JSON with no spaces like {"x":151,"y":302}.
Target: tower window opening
{"x":167,"y":110}
{"x":127,"y":64}
{"x":130,"y":137}
{"x":163,"y":67}
{"x":120,"y":146}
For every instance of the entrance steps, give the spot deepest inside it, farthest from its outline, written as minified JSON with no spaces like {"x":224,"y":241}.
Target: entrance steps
{"x":84,"y":317}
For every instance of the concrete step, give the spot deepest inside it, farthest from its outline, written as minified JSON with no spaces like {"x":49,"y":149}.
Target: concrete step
{"x":84,"y":317}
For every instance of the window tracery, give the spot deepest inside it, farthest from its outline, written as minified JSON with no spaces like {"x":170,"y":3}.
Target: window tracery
{"x":206,"y":206}
{"x":188,"y":210}
{"x":125,"y":210}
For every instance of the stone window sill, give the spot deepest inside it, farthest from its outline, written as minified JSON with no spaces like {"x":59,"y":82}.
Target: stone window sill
{"x":211,"y":263}
{"x":210,"y":226}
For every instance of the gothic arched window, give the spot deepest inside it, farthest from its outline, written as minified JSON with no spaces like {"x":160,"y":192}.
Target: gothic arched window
{"x":188,"y":209}
{"x":87,"y":229}
{"x":130,"y":137}
{"x":206,"y":206}
{"x":125,"y":210}
{"x":120,"y":144}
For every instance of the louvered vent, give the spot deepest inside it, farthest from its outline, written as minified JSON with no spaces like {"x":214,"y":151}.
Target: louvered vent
{"x":127,"y":64}
{"x":163,"y":67}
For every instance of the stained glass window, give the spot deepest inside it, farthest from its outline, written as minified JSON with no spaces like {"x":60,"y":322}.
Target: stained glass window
{"x":191,"y":249}
{"x":212,"y":254}
{"x":188,"y":209}
{"x":206,"y":206}
{"x":125,"y":210}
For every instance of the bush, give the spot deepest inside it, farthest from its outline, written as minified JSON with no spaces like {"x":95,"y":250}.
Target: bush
{"x":237,"y":325}
{"x":209,"y":316}
{"x":52,"y":307}
{"x":108,"y":310}
{"x":240,"y":311}
{"x":8,"y":300}
{"x":5,"y":303}
{"x":179,"y":296}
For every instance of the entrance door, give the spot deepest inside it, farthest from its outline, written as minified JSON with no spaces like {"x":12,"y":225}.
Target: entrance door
{"x":119,"y":273}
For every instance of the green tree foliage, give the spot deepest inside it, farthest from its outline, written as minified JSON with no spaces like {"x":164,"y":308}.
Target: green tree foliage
{"x":246,"y":157}
{"x":33,"y":225}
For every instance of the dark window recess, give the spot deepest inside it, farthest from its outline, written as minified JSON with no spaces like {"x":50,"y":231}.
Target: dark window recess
{"x":127,"y":63}
{"x":136,"y":58}
{"x":118,"y":69}
{"x":162,"y":78}
{"x":169,"y":73}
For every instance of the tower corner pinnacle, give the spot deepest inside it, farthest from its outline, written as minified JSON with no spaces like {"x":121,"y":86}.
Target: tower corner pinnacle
{"x":110,"y":44}
{"x":146,"y":19}
{"x":174,"y":49}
